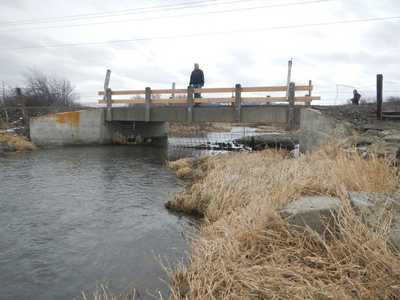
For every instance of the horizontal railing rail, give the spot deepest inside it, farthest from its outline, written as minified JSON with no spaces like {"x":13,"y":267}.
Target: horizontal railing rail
{"x":208,"y":90}
{"x":210,"y":100}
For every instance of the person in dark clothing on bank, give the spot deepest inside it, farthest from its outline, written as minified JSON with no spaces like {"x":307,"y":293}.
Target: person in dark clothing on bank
{"x":356,"y":98}
{"x":197,"y":79}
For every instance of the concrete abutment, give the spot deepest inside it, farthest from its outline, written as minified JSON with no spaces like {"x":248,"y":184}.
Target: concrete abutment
{"x":89,"y":127}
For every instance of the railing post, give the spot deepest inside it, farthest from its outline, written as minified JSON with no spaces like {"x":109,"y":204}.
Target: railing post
{"x":291,"y":106}
{"x":148,"y":104}
{"x":289,"y":76}
{"x":308,"y":103}
{"x":190,"y":91}
{"x":238,"y":102}
{"x":379,"y":96}
{"x":108,"y":96}
{"x":173,"y":91}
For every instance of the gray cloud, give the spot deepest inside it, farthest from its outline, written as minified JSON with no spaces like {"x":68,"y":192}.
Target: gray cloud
{"x":254,"y":60}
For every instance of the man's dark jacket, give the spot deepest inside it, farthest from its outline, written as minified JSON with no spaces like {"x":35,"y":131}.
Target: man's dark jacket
{"x":197,"y":77}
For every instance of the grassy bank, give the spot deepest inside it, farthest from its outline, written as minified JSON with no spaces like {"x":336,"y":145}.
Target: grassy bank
{"x":245,"y":250}
{"x":14,"y":142}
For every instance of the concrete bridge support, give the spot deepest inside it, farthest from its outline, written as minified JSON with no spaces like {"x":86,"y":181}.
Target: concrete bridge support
{"x":89,"y":127}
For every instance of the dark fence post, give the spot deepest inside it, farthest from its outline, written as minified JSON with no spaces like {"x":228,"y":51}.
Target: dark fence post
{"x":238,"y":102}
{"x":190,"y":92}
{"x":291,"y":106}
{"x":379,"y":95}
{"x":148,"y":104}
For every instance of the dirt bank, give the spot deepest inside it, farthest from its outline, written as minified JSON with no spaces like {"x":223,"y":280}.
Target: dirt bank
{"x":245,"y":250}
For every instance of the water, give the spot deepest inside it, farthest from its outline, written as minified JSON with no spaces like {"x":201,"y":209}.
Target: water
{"x":214,"y":137}
{"x":73,"y":218}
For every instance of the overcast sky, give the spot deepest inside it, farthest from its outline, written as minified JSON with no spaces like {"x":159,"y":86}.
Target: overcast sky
{"x":233,"y":41}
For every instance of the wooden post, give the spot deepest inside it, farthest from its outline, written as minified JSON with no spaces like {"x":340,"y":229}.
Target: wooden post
{"x":291,"y":106}
{"x":190,"y":91}
{"x":289,"y":76}
{"x":379,"y":95}
{"x":108,"y":96}
{"x":238,"y":102}
{"x":173,"y":91}
{"x":148,"y":104}
{"x":308,"y":103}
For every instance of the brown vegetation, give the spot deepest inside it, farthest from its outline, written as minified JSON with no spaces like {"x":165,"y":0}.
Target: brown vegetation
{"x":245,"y":250}
{"x":16,"y":142}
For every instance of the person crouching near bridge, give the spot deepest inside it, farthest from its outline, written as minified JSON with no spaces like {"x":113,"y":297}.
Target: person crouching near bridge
{"x":197,"y":79}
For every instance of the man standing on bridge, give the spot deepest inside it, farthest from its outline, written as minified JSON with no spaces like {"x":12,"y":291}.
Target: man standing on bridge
{"x":197,"y":79}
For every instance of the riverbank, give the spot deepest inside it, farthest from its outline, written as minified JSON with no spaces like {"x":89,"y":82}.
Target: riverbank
{"x":11,"y":142}
{"x":245,"y":249}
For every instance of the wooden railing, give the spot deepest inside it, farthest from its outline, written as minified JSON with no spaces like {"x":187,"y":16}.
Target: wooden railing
{"x":187,"y":95}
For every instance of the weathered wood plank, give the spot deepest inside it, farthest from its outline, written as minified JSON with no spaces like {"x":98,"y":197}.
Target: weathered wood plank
{"x":211,"y":100}
{"x":210,"y":90}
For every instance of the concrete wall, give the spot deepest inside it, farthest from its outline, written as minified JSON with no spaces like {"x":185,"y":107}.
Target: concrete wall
{"x":70,"y":128}
{"x":89,"y":127}
{"x":317,"y":128}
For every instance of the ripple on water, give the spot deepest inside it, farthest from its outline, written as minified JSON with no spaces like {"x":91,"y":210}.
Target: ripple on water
{"x":71,"y":218}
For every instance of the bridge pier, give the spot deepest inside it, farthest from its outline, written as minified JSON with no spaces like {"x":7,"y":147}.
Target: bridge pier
{"x":89,"y":127}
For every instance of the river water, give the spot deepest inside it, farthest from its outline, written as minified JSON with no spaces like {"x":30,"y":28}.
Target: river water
{"x":73,"y":218}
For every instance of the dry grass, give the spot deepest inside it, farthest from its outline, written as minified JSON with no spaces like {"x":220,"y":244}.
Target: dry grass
{"x":104,"y":293}
{"x":183,"y":168}
{"x":244,"y":250}
{"x":16,"y":142}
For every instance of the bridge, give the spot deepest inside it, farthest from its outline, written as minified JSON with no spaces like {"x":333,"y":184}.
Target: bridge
{"x":131,"y":116}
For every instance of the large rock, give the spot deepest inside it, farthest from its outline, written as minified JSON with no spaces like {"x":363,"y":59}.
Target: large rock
{"x":313,"y":212}
{"x":375,"y":207}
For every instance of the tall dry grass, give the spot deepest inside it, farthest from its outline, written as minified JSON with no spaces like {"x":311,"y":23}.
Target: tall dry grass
{"x":16,"y":142}
{"x":245,"y":250}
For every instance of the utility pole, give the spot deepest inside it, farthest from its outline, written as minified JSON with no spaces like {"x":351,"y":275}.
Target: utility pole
{"x":289,"y":76}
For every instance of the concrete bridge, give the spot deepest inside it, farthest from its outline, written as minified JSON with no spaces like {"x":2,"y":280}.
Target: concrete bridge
{"x":143,"y":117}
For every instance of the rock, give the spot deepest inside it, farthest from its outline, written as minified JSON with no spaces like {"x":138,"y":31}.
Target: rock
{"x":374,"y":207}
{"x":392,"y":138}
{"x":314,"y":212}
{"x":5,"y":147}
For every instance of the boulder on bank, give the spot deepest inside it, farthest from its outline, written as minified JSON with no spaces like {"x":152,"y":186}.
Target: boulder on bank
{"x":319,"y":212}
{"x":311,"y":212}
